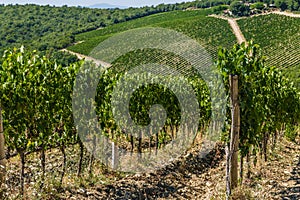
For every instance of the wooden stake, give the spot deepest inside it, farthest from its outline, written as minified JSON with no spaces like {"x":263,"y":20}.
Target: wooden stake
{"x":114,"y":153}
{"x":232,"y":152}
{"x":2,"y":152}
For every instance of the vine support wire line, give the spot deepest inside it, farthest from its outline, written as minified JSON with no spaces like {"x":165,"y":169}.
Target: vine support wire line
{"x":232,"y":148}
{"x":2,"y":151}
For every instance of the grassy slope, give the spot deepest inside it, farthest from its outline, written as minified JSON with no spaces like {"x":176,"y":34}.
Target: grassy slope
{"x":209,"y":32}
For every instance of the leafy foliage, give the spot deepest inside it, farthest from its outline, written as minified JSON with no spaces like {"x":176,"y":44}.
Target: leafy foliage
{"x":239,"y":9}
{"x":45,"y":27}
{"x":36,"y":98}
{"x":268,"y":100}
{"x":146,"y":96}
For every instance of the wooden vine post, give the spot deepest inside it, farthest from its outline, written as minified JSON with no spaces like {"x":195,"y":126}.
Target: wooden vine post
{"x":2,"y":152}
{"x":114,"y":152}
{"x":232,"y":148}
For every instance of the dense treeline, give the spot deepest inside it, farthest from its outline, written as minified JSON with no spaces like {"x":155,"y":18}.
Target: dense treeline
{"x":48,"y":28}
{"x":246,"y":8}
{"x":45,"y":27}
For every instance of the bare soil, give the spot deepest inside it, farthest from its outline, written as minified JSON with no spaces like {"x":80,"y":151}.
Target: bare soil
{"x":192,"y":176}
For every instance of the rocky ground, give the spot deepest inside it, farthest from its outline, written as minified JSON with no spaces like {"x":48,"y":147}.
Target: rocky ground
{"x":193,"y":176}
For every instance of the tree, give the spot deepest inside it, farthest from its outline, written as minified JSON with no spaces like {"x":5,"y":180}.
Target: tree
{"x":239,"y":9}
{"x":281,"y":4}
{"x":258,"y":6}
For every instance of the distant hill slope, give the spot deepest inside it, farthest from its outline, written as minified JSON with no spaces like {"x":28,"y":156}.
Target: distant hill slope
{"x":278,"y":36}
{"x":46,"y":27}
{"x":210,"y":32}
{"x":49,"y":27}
{"x":106,"y":5}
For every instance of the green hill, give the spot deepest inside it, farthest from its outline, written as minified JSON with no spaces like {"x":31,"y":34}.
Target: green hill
{"x":277,"y":35}
{"x":209,"y":32}
{"x":53,"y":141}
{"x":46,"y":27}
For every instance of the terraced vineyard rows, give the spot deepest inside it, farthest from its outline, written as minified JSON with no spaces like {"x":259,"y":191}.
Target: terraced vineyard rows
{"x":210,"y":32}
{"x":278,"y":36}
{"x":149,"y":20}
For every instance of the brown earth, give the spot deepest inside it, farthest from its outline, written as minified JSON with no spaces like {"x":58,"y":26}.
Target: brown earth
{"x":191,"y":177}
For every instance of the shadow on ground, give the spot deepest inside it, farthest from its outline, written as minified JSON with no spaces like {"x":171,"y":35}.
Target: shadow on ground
{"x":293,"y":192}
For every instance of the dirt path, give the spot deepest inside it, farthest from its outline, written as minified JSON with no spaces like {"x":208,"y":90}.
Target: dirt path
{"x":237,"y":31}
{"x":191,"y":177}
{"x":196,"y":177}
{"x":289,"y":14}
{"x":235,"y":28}
{"x":88,"y":58}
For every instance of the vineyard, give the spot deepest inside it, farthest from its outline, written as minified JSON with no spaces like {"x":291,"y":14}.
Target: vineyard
{"x":209,"y":32}
{"x":49,"y":123}
{"x":277,"y":35}
{"x":52,"y":115}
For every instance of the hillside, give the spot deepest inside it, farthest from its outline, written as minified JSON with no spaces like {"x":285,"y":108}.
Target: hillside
{"x":46,"y":27}
{"x":278,"y":36}
{"x":62,"y":123}
{"x":209,"y":32}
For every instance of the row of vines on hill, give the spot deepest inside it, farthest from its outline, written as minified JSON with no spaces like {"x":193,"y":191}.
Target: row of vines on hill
{"x":36,"y":100}
{"x":269,"y":103}
{"x":36,"y":97}
{"x":277,"y":35}
{"x":194,"y":24}
{"x":142,"y":100}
